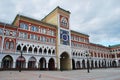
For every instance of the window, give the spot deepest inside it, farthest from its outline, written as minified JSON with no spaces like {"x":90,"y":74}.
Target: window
{"x":34,"y":37}
{"x":64,"y":21}
{"x":23,"y":35}
{"x":43,"y":31}
{"x":34,"y":28}
{"x":1,"y":31}
{"x":14,"y":33}
{"x":9,"y":45}
{"x":24,"y":26}
{"x":7,"y":32}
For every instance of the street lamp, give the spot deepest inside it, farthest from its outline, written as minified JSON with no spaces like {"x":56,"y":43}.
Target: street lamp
{"x":88,"y":63}
{"x":20,"y":68}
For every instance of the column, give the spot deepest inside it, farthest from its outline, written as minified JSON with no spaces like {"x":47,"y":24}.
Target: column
{"x":93,"y":64}
{"x":14,"y":64}
{"x":37,"y":64}
{"x":47,"y":66}
{"x":55,"y":66}
{"x":81,"y":64}
{"x":58,"y":63}
{"x":86,"y":63}
{"x":0,"y":65}
{"x":26,"y":65}
{"x":27,"y":49}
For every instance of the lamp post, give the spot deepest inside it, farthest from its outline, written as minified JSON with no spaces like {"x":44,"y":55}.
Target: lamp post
{"x":88,"y":63}
{"x":20,"y":68}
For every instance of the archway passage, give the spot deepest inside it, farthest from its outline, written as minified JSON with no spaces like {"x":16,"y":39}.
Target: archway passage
{"x":65,"y":62}
{"x":31,"y":63}
{"x":20,"y":62}
{"x":73,"y":64}
{"x":42,"y":64}
{"x":7,"y":62}
{"x":51,"y":64}
{"x":114,"y":64}
{"x":96,"y":64}
{"x":78,"y":65}
{"x":92,"y":64}
{"x":83,"y":64}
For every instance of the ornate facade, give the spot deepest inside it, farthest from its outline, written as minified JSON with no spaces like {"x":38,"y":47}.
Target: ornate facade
{"x":50,"y":44}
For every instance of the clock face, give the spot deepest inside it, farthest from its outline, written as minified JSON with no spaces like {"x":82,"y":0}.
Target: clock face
{"x":64,"y":37}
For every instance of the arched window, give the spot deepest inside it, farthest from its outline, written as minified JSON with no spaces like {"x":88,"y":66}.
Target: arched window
{"x":35,"y":50}
{"x":18,"y":48}
{"x":53,"y":52}
{"x":73,"y":53}
{"x":49,"y":51}
{"x":30,"y":49}
{"x":9,"y":45}
{"x":45,"y":51}
{"x":24,"y":49}
{"x":40,"y":50}
{"x":64,"y":21}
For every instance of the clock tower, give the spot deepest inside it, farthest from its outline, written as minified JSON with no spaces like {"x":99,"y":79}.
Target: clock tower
{"x":64,"y":41}
{"x":60,"y":18}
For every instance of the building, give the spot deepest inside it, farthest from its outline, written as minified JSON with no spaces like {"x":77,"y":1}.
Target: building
{"x":49,"y":44}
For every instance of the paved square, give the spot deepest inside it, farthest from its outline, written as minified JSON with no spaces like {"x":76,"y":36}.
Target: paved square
{"x":95,"y":74}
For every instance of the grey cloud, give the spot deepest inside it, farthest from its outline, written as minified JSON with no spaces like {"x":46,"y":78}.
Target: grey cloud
{"x":99,"y":19}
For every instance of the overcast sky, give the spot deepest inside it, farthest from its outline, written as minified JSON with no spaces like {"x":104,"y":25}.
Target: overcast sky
{"x":100,"y":19}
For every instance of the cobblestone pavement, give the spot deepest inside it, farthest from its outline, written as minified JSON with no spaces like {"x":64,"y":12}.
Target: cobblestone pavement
{"x":95,"y":74}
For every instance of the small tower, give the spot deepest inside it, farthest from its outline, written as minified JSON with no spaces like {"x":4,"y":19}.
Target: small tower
{"x":60,"y":18}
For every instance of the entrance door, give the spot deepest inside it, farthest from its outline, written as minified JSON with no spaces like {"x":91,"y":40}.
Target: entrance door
{"x":51,"y":64}
{"x":7,"y":62}
{"x":65,"y":62}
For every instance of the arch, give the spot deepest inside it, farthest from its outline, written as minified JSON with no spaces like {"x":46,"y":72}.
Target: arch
{"x":9,"y":44}
{"x":20,"y":62}
{"x":31,"y":63}
{"x":99,"y":64}
{"x":92,"y":65}
{"x":114,"y":63}
{"x":73,"y":64}
{"x":78,"y":64}
{"x":53,"y":52}
{"x":7,"y":62}
{"x":119,"y":63}
{"x":25,"y":49}
{"x":73,"y":53}
{"x":51,"y":64}
{"x":19,"y":48}
{"x":96,"y":64}
{"x":49,"y":51}
{"x":83,"y":64}
{"x":65,"y":62}
{"x":35,"y":50}
{"x":102,"y":63}
{"x":45,"y":51}
{"x":42,"y":63}
{"x":30,"y":49}
{"x":40,"y":50}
